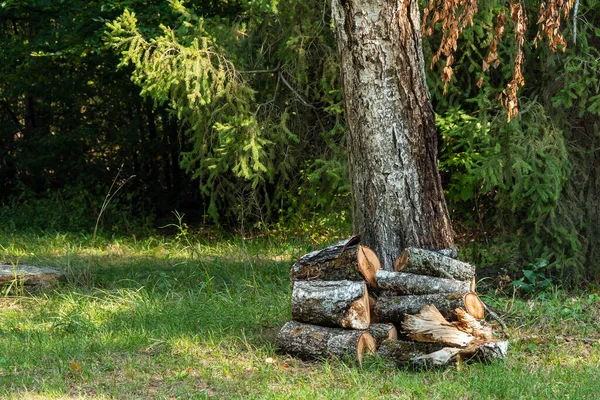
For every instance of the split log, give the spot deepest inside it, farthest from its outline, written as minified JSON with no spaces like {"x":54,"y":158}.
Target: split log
{"x":469,"y":337}
{"x":311,"y":342}
{"x":331,"y":303}
{"x":345,"y":260}
{"x":394,"y":308}
{"x":426,"y":262}
{"x":382,"y":332}
{"x":407,"y":283}
{"x":430,"y":326}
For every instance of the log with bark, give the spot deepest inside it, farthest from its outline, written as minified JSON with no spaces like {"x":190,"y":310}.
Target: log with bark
{"x":451,"y":252}
{"x":392,"y":309}
{"x":432,"y":263}
{"x":331,"y":303}
{"x":311,"y":342}
{"x":407,"y":283}
{"x":402,"y":353}
{"x":382,"y":332}
{"x":346,"y":260}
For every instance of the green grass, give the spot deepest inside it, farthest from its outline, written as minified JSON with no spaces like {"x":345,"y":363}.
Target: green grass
{"x":195,"y":317}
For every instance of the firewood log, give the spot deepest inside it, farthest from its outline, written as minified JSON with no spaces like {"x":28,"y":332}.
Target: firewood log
{"x":345,"y":260}
{"x":311,"y":342}
{"x":392,"y":309}
{"x":331,"y":303}
{"x":451,"y":252}
{"x":406,"y":283}
{"x":469,"y":337}
{"x":426,"y":262}
{"x":401,"y":353}
{"x":382,"y":332}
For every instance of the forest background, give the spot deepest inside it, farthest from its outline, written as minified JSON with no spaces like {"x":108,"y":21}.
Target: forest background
{"x":231,"y":113}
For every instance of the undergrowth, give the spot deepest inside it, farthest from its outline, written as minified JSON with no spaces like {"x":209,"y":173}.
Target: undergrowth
{"x":194,"y":316}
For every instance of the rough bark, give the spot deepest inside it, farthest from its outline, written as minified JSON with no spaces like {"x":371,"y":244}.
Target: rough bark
{"x":394,"y":308}
{"x":405,"y":283}
{"x":452,"y":252}
{"x":311,"y":342}
{"x":341,"y":261}
{"x":29,"y":275}
{"x":396,"y":187}
{"x":426,"y":262}
{"x":401,"y":353}
{"x":331,"y":303}
{"x":382,"y":332}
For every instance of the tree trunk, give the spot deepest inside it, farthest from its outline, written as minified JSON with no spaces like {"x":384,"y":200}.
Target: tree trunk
{"x":396,"y":187}
{"x":311,"y":342}
{"x":331,"y":303}
{"x":404,"y":283}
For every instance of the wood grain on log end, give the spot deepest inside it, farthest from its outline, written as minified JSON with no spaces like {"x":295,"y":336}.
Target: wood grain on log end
{"x":474,"y":305}
{"x":368,"y":264}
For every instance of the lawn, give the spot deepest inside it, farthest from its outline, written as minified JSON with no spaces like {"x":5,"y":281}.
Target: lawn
{"x":194,"y":316}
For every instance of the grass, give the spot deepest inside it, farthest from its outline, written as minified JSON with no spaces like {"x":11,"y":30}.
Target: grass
{"x":195,"y":316}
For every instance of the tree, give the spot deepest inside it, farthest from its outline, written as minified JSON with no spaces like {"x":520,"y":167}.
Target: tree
{"x":397,"y":192}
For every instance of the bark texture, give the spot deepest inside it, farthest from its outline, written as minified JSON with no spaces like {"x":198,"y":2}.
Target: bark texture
{"x":420,"y":261}
{"x":401,"y":353}
{"x":396,"y":188}
{"x":405,"y":283}
{"x":30,"y":275}
{"x":394,"y":308}
{"x":382,"y":332}
{"x":341,"y":261}
{"x":331,"y":303}
{"x":311,"y":342}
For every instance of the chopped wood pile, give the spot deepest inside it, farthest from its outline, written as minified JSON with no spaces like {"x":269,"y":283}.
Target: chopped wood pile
{"x":344,"y":306}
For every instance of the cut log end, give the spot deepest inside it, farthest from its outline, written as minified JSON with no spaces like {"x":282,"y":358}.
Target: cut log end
{"x":366,"y":345}
{"x":474,"y":305}
{"x":368,"y":264}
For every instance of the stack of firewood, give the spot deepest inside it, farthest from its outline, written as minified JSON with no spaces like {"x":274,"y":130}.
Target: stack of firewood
{"x":344,"y":305}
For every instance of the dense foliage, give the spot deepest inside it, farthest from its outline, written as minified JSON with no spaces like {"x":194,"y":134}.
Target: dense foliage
{"x":231,"y":111}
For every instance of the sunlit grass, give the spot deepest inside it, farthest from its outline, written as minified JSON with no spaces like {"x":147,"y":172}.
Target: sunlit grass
{"x":195,"y":317}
